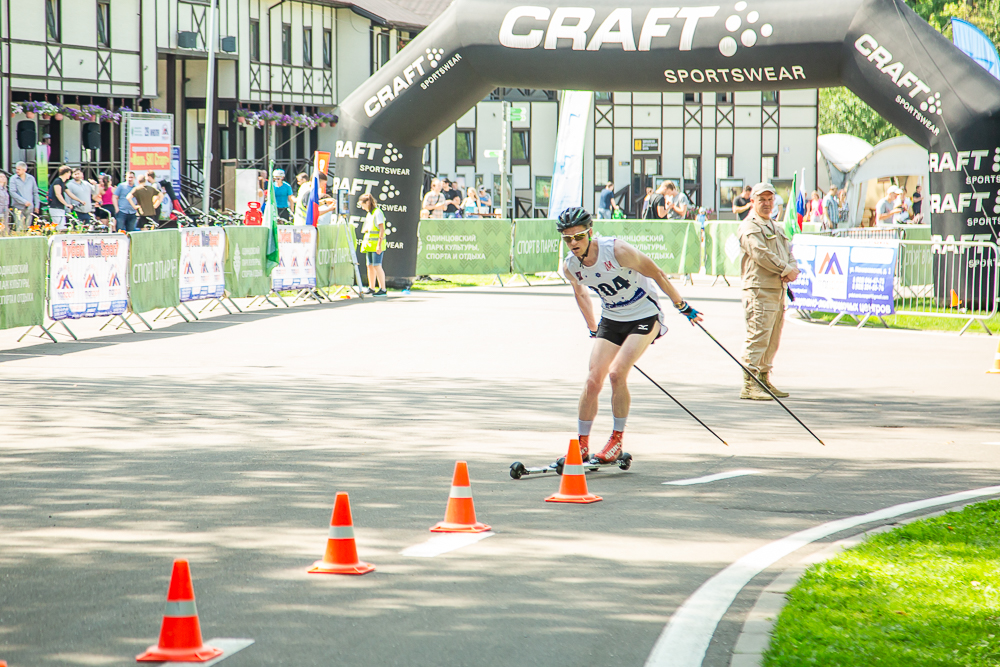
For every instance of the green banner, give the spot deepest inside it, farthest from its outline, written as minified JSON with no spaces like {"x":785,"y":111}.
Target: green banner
{"x":153,"y":278}
{"x":673,"y":245}
{"x":22,"y":281}
{"x":537,"y":246}
{"x":246,"y":248}
{"x":458,"y":246}
{"x":334,"y":262}
{"x":722,"y":249}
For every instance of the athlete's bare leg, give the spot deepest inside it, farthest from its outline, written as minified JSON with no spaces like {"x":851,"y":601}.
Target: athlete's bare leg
{"x":629,"y":353}
{"x":601,"y":358}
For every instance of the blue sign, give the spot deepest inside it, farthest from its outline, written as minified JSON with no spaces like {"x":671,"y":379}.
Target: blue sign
{"x":844,"y":275}
{"x":175,"y":168}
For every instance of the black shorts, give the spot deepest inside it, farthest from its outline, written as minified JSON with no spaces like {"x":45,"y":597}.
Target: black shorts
{"x":616,"y":332}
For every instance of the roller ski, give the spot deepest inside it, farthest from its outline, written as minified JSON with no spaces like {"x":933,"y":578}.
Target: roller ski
{"x":611,"y":455}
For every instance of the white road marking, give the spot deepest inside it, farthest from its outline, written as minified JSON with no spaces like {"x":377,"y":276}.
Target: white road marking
{"x":686,"y":637}
{"x":991,"y":443}
{"x":713,"y":478}
{"x":229,"y":647}
{"x":443,"y":543}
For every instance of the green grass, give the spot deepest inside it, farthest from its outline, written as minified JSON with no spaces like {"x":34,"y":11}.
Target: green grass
{"x":927,"y":593}
{"x":921,"y":323}
{"x":448,"y":282}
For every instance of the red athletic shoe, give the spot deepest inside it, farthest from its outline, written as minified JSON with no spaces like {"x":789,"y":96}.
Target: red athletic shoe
{"x":612,"y":450}
{"x":584,"y":447}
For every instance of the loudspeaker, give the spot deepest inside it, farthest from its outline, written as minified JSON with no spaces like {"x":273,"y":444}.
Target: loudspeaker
{"x":90,"y":136}
{"x":26,"y":138}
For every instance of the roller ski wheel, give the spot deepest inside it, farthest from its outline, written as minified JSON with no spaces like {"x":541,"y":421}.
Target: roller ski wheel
{"x":517,"y":470}
{"x":625,"y":462}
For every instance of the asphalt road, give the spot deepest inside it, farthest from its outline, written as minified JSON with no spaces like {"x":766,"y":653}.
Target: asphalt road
{"x":224,"y":441}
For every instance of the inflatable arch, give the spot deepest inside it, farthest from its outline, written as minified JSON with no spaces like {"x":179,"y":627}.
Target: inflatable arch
{"x":880,"y":49}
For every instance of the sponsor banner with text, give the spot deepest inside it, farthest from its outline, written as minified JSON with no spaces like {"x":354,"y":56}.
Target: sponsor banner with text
{"x":203,"y":258}
{"x":153,"y":276}
{"x":458,"y":246}
{"x":246,"y":248}
{"x":537,"y":246}
{"x":296,"y":267}
{"x":722,"y":249}
{"x":334,"y":261}
{"x":22,"y":281}
{"x":673,"y":245}
{"x":844,"y":275}
{"x":88,"y":276}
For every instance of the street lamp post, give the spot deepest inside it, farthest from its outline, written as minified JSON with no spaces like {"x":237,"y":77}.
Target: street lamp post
{"x":206,"y":191}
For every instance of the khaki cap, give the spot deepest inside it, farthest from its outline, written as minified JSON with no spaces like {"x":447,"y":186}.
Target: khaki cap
{"x":762,"y":187}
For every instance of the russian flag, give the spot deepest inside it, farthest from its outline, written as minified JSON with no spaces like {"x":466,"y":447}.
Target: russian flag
{"x":312,"y":208}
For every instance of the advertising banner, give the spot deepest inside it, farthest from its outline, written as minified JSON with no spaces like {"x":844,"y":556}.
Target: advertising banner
{"x":457,"y":246}
{"x":334,"y":263}
{"x":722,"y":249}
{"x":844,"y":275}
{"x":153,"y":280}
{"x":22,"y":281}
{"x":88,"y":276}
{"x":203,"y":256}
{"x":537,"y":246}
{"x":567,"y":173}
{"x":296,"y":267}
{"x":673,"y":245}
{"x":149,"y":144}
{"x":246,"y":248}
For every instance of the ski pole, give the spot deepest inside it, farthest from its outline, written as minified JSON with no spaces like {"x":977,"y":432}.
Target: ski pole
{"x":680,"y":404}
{"x":758,"y":381}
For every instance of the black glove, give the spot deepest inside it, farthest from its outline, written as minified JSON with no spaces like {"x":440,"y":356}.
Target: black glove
{"x":687,"y":311}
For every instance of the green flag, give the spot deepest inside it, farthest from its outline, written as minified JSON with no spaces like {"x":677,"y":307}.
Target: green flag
{"x":271,"y":220}
{"x":791,"y":213}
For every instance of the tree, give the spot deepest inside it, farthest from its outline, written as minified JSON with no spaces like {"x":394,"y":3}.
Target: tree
{"x":842,"y":111}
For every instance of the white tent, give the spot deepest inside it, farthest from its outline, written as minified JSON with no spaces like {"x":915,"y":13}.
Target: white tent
{"x":866,"y":172}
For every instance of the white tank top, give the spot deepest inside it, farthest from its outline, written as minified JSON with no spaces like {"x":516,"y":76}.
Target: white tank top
{"x":626,"y":295}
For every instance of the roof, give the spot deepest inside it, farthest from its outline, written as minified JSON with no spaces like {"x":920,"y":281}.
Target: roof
{"x":843,"y":151}
{"x":428,"y":9}
{"x":406,"y":14}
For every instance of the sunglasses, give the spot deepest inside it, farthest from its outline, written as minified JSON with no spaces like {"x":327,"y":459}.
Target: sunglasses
{"x":575,"y":237}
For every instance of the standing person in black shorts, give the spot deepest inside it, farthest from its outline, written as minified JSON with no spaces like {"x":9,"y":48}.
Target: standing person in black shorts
{"x":631,"y":318}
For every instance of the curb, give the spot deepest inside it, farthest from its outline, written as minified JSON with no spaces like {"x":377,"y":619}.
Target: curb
{"x":755,"y":635}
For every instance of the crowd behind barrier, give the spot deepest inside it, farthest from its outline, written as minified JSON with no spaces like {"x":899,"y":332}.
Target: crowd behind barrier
{"x":71,"y":276}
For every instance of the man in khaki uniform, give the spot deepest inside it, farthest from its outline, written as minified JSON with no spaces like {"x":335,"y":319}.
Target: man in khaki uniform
{"x":767,"y":265}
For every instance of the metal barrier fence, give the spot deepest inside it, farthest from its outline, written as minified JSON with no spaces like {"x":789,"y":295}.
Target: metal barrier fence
{"x":865,"y":233}
{"x":956,"y":279}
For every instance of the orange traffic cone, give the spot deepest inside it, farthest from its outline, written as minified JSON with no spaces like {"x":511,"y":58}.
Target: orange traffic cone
{"x":460,"y":516}
{"x":996,"y":361}
{"x":180,"y":634}
{"x":573,"y":487}
{"x":955,"y":301}
{"x":341,"y":555}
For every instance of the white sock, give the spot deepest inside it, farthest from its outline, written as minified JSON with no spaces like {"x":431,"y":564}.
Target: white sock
{"x":620,"y":423}
{"x":583,"y":427}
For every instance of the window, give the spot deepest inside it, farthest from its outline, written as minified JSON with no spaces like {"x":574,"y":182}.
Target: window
{"x":53,"y":26}
{"x":692,"y":169}
{"x":307,"y":47}
{"x":283,"y":148}
{"x":692,"y":98}
{"x":104,"y":22}
{"x":286,"y":43}
{"x":427,"y":155}
{"x":768,"y":167}
{"x":327,"y":48}
{"x":258,"y":143}
{"x":380,"y":48}
{"x":520,"y":152}
{"x":723,"y":98}
{"x":602,"y":97}
{"x":465,"y":147}
{"x":300,"y":144}
{"x":255,"y":40}
{"x":770,"y":96}
{"x":724,"y":166}
{"x":602,"y":172}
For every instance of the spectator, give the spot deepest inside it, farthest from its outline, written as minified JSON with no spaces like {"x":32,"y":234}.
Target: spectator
{"x":151,"y":179}
{"x":905,"y":209}
{"x":767,"y":265}
{"x":453,"y":199}
{"x":4,"y":205}
{"x":59,"y":199}
{"x":831,"y":209}
{"x":814,"y":209}
{"x":24,"y":196}
{"x":779,"y":207}
{"x":918,"y":203}
{"x":146,"y":199}
{"x":104,"y":197}
{"x":645,"y":201}
{"x":606,"y":202}
{"x":373,"y":242}
{"x":125,"y":214}
{"x":657,"y":208}
{"x":887,"y":207}
{"x":46,"y":141}
{"x":845,"y":213}
{"x":302,"y":201}
{"x":676,"y":202}
{"x":485,"y":201}
{"x":470,"y":205}
{"x":167,"y":206}
{"x":742,"y":205}
{"x":434,"y":204}
{"x":282,"y":195}
{"x":82,"y":193}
